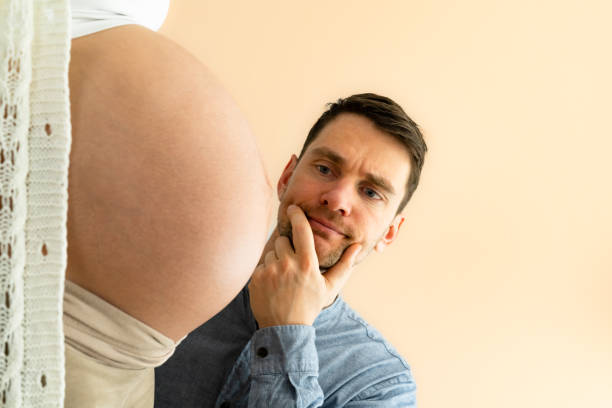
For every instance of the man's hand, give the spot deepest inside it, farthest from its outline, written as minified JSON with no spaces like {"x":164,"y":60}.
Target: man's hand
{"x":288,"y":287}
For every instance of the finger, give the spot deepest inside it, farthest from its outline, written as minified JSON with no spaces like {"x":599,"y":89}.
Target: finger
{"x":256,"y":274}
{"x":282,"y":246}
{"x":270,"y":258}
{"x":303,"y":240}
{"x":337,"y":276}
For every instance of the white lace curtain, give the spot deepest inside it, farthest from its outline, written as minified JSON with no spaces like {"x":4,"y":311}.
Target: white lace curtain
{"x":34,"y":151}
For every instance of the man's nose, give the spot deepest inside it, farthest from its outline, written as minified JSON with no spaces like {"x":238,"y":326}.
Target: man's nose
{"x":338,"y":198}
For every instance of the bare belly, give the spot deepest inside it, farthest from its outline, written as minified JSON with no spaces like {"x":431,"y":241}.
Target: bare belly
{"x":169,"y":202}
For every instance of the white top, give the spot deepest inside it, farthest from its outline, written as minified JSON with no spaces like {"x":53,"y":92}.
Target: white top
{"x":90,"y":16}
{"x":35,"y":141}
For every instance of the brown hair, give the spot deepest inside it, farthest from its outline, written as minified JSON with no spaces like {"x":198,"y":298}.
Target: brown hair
{"x":389,"y":117}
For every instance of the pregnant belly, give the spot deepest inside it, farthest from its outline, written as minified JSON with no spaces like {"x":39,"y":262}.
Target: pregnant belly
{"x":159,"y":155}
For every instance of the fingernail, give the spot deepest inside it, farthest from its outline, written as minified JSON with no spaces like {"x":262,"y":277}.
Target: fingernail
{"x":357,"y":251}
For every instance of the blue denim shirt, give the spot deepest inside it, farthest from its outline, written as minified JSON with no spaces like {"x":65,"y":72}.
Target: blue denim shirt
{"x":340,"y":361}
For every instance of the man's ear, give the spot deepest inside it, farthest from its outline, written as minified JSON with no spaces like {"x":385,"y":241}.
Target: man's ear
{"x":391,"y":233}
{"x":283,"y":181}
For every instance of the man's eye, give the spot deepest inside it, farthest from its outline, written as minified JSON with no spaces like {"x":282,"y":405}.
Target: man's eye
{"x":323,"y":169}
{"x":371,"y":193}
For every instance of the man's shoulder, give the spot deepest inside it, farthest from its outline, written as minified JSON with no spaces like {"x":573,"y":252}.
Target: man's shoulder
{"x":354,"y":356}
{"x":345,"y":327}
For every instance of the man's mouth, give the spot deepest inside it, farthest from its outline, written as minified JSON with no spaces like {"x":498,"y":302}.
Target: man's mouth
{"x":324,"y":226}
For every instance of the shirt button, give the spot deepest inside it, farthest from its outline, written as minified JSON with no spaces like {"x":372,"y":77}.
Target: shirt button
{"x":225,"y":404}
{"x":262,"y":352}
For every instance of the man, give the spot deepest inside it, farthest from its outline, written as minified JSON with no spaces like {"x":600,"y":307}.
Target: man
{"x":288,"y":339}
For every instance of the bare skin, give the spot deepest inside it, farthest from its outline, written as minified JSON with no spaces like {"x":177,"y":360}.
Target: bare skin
{"x":288,"y":287}
{"x":337,"y":205}
{"x":169,"y":202}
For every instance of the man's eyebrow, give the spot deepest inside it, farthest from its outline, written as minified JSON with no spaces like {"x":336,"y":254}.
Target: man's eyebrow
{"x":378,"y":181}
{"x":329,"y":154}
{"x":381,"y":183}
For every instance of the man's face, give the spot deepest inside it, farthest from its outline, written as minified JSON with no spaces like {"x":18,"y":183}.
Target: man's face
{"x":349,"y":183}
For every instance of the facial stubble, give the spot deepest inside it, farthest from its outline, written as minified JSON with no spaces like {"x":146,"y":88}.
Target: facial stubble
{"x":329,"y":259}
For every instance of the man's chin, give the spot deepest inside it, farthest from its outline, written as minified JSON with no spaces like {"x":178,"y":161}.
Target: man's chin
{"x":328,"y":258}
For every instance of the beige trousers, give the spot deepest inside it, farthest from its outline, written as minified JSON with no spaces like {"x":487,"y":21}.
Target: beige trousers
{"x":110,"y":355}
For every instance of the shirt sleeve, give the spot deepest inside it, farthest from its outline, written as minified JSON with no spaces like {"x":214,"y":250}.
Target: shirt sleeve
{"x":284,"y":371}
{"x":395,"y":392}
{"x":284,"y":368}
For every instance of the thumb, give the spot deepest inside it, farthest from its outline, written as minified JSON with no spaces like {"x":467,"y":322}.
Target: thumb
{"x":337,"y":276}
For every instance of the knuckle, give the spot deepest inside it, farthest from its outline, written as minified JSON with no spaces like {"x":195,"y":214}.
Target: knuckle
{"x":302,"y":231}
{"x":257,"y":276}
{"x":305,"y":264}
{"x":298,"y":224}
{"x":270,"y":257}
{"x":270,"y":270}
{"x":285,"y":263}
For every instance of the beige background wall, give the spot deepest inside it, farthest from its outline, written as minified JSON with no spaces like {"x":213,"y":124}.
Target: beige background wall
{"x":497,"y":291}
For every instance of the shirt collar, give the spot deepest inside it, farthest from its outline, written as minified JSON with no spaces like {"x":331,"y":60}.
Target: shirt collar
{"x":329,"y":312}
